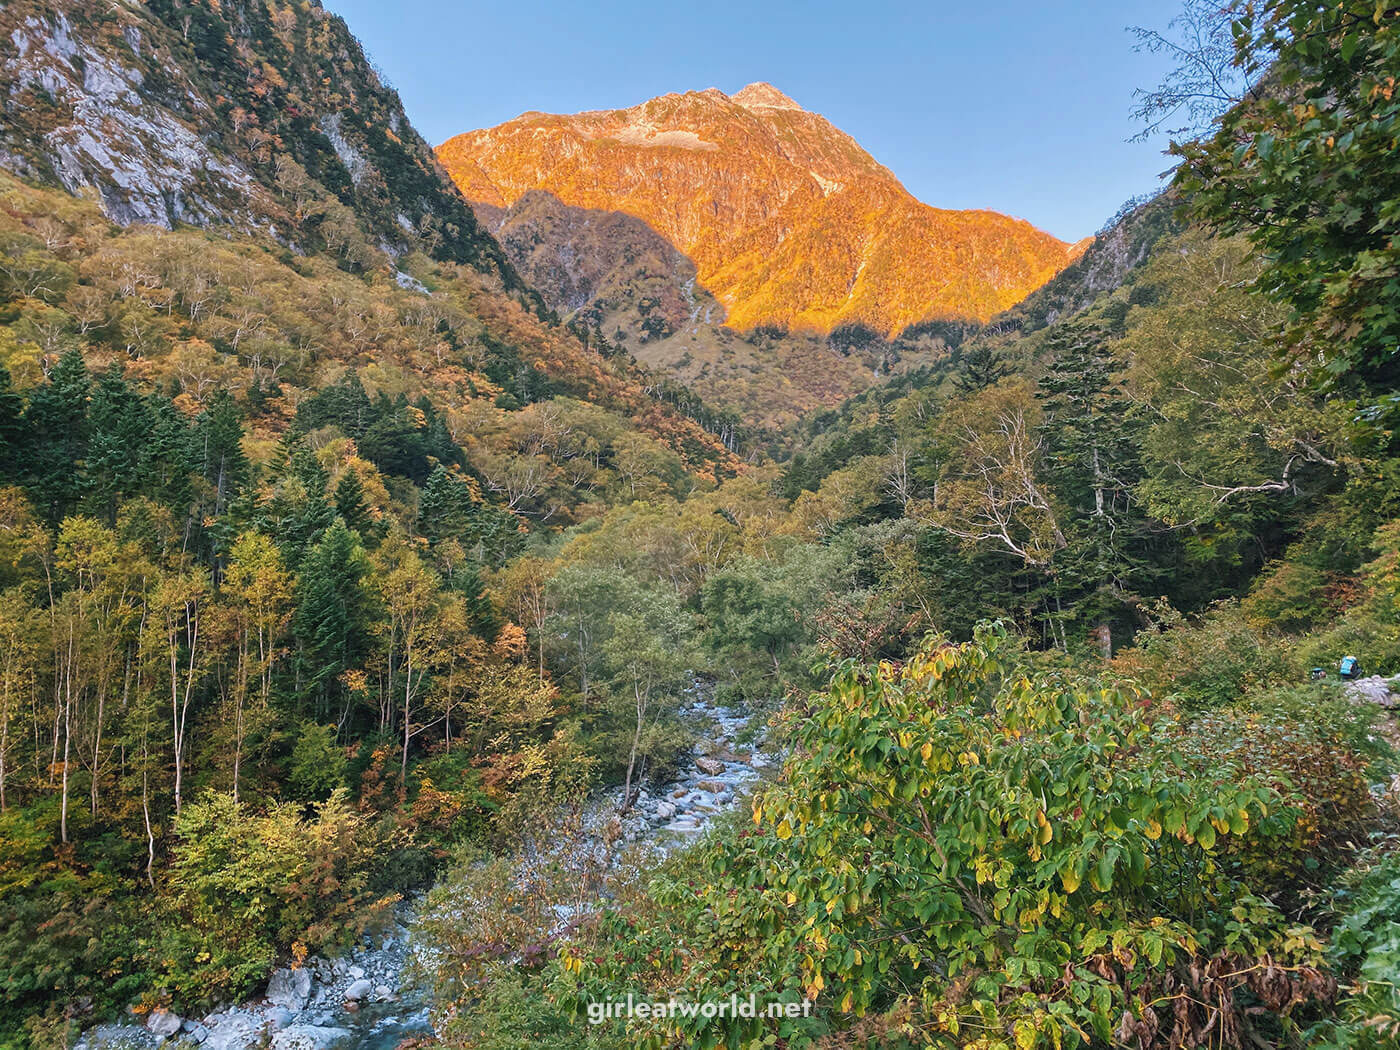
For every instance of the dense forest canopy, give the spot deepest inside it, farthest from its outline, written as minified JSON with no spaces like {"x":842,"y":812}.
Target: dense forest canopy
{"x":334,"y":570}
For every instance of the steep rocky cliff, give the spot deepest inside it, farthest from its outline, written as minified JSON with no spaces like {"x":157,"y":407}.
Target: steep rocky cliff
{"x":258,"y":115}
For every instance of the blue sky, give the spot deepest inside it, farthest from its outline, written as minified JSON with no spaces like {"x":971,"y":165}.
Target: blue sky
{"x":1016,"y":105}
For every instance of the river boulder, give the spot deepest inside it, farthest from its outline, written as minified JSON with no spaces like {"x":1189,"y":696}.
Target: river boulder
{"x":309,"y":1037}
{"x":290,"y":988}
{"x":162,"y":1023}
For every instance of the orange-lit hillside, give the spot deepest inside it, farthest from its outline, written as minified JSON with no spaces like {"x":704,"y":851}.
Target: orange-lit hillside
{"x":787,"y":219}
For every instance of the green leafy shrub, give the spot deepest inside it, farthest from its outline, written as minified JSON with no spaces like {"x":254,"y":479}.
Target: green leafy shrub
{"x":1207,"y":662}
{"x":1292,"y":597}
{"x":318,"y":763}
{"x":245,"y":885}
{"x":1314,"y":749}
{"x":960,"y":851}
{"x":1366,"y":945}
{"x":72,"y":940}
{"x":1369,"y":629}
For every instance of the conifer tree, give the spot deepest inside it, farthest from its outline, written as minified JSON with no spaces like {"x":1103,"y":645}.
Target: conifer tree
{"x":350,"y":503}
{"x":57,"y":422}
{"x":1091,"y":463}
{"x":332,"y":616}
{"x":219,"y":434}
{"x":12,"y":429}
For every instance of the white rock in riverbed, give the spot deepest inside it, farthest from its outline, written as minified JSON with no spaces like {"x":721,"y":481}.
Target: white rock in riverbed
{"x":359,"y":989}
{"x":194,"y":1030}
{"x":239,"y":1030}
{"x":290,"y":988}
{"x":116,"y":1037}
{"x":162,"y":1023}
{"x":309,"y":1037}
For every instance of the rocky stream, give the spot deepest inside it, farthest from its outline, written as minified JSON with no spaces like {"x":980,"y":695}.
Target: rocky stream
{"x":367,"y":999}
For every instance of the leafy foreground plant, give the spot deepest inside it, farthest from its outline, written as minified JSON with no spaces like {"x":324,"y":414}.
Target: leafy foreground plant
{"x":962,"y":855}
{"x":1366,"y":944}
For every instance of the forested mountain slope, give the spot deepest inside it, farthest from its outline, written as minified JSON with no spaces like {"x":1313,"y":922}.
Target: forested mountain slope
{"x":271,"y":402}
{"x":269,"y":118}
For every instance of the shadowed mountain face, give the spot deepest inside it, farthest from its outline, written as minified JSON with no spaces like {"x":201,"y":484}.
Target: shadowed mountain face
{"x":620,"y":278}
{"x":608,"y":269}
{"x":787,"y":220}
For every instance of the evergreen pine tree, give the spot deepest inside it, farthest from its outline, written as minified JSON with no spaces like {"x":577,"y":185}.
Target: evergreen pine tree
{"x":444,"y":507}
{"x":351,"y":505}
{"x":1092,"y":460}
{"x":298,"y":512}
{"x":57,"y":422}
{"x":170,"y":455}
{"x":220,"y":435}
{"x":121,"y":424}
{"x":332,"y":616}
{"x":12,"y":428}
{"x":979,"y":368}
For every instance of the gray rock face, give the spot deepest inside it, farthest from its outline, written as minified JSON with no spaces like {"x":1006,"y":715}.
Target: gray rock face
{"x":308,"y":1037}
{"x":163,"y":1024}
{"x":1375,"y":690}
{"x":234,"y":1031}
{"x":359,"y":989}
{"x":290,"y":988}
{"x":145,"y":162}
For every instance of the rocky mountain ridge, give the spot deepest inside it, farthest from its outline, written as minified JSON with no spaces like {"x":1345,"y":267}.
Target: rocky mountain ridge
{"x":258,"y":115}
{"x":787,"y":220}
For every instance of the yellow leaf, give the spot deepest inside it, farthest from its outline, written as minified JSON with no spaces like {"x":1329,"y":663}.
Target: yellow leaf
{"x":784,"y":830}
